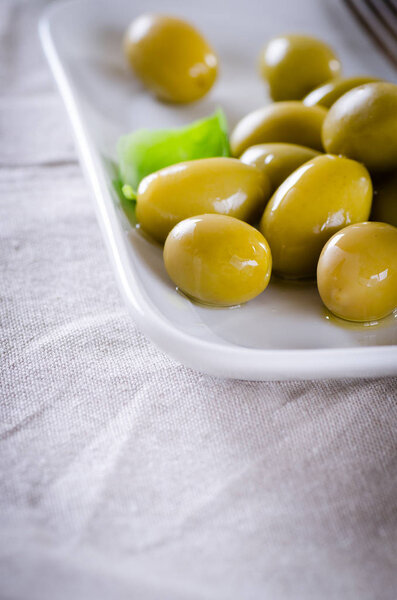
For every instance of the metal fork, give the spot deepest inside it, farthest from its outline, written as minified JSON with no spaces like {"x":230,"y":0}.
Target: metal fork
{"x":379,"y":19}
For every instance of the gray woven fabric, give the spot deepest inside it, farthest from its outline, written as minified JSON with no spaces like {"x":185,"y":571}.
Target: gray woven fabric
{"x":125,"y":475}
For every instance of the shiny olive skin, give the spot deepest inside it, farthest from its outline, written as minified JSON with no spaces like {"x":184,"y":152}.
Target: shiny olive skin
{"x":362,"y":125}
{"x":218,"y":260}
{"x":288,"y":122}
{"x":328,"y":93}
{"x":319,"y":198}
{"x":277,"y":160}
{"x":357,"y":272}
{"x":293,"y":65}
{"x":208,"y":185}
{"x":384,"y":206}
{"x":171,"y":57}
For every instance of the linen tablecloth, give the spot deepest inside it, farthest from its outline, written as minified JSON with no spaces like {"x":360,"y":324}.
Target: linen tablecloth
{"x":125,"y":475}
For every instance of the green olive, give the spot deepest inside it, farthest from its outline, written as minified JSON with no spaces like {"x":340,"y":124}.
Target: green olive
{"x":384,"y":206}
{"x":328,"y":93}
{"x":362,"y":125}
{"x":170,"y":57}
{"x":290,"y":122}
{"x":208,"y":185}
{"x":277,"y":160}
{"x":357,"y":272}
{"x":217,"y":259}
{"x":319,"y":198}
{"x":293,"y":65}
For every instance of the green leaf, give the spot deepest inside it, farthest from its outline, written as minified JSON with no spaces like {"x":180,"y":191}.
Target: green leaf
{"x":145,"y":151}
{"x":127,"y":204}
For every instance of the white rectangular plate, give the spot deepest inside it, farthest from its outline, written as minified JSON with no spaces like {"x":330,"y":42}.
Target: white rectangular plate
{"x":285,"y":332}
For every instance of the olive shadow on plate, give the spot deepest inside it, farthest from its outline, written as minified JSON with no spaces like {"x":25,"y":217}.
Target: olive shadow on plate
{"x":149,"y":252}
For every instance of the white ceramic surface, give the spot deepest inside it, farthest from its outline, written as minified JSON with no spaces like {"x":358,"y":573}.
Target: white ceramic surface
{"x":285,"y":332}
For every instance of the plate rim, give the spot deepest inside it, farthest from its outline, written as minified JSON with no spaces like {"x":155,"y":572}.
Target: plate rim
{"x":237,"y":362}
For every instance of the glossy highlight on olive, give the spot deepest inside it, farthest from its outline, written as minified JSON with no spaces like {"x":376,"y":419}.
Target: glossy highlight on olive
{"x":287,"y":122}
{"x":362,"y":125}
{"x":170,"y":57}
{"x":327,"y":94}
{"x":357,"y":272}
{"x":209,"y":185}
{"x":292,"y":65}
{"x":277,"y":161}
{"x":218,"y":260}
{"x":318,"y":199}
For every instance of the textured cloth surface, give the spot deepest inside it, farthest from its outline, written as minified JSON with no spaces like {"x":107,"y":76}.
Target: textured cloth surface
{"x":125,"y":475}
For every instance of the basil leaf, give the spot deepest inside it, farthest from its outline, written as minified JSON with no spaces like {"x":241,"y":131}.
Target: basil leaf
{"x":145,"y":151}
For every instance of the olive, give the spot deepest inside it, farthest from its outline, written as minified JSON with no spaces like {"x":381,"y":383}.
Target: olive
{"x":290,"y":122}
{"x":293,"y":65}
{"x":218,"y":260}
{"x":384,"y":206}
{"x":208,"y":185}
{"x":277,"y":160}
{"x":319,"y":198}
{"x":357,"y":272}
{"x":362,"y":125}
{"x":328,"y":93}
{"x":171,"y":57}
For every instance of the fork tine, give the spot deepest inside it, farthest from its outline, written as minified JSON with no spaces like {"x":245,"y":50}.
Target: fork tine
{"x":363,"y":11}
{"x":381,"y":10}
{"x":392,"y":4}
